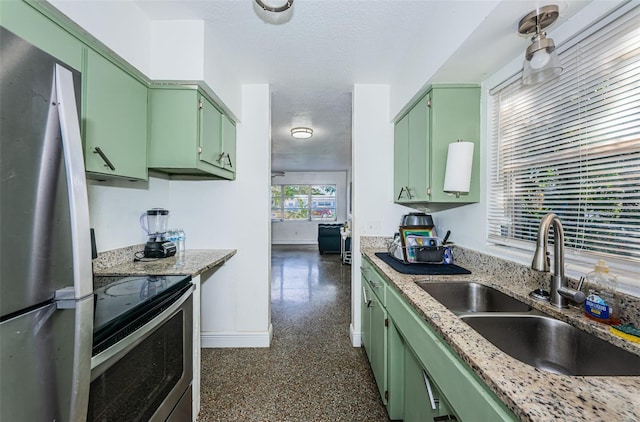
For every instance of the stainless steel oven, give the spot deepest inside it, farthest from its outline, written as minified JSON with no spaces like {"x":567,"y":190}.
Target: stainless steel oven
{"x":142,"y":366}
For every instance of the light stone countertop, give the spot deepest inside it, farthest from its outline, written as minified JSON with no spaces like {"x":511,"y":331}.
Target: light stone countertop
{"x":192,"y":262}
{"x":532,"y":394}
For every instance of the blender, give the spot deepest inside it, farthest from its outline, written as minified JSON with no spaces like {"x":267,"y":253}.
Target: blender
{"x":154,"y":223}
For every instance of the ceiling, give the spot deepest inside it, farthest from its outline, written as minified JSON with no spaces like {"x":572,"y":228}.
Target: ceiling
{"x":313,"y":54}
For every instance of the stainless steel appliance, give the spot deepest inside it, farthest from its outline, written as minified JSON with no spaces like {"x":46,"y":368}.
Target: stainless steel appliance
{"x":46,"y":289}
{"x":154,"y":223}
{"x":142,"y":366}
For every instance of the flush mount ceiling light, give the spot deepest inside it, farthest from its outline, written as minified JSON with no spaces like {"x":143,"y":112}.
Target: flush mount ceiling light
{"x":302,"y":132}
{"x":541,"y":58}
{"x":274,"y":5}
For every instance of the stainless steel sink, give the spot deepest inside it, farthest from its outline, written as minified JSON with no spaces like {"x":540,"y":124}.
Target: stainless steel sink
{"x":461,"y":297}
{"x":553,"y":346}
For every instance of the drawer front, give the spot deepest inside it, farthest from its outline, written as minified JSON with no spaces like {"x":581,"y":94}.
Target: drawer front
{"x":377,"y":283}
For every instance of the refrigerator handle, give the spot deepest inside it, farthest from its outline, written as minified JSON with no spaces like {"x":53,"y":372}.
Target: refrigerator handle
{"x":76,"y":182}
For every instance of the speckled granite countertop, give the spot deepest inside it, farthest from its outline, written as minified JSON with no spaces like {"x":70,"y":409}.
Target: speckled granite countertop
{"x":532,"y":394}
{"x":192,"y":262}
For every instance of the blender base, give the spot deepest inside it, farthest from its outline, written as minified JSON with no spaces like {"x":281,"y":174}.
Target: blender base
{"x":162,"y":249}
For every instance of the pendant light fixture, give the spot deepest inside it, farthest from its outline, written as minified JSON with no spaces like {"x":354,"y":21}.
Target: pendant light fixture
{"x":274,"y":6}
{"x":541,"y":61}
{"x":302,"y":132}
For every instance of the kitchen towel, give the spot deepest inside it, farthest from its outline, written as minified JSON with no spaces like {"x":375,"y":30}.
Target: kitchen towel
{"x":421,"y":269}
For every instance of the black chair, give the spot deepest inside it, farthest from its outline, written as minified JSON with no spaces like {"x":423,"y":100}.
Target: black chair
{"x":329,"y":238}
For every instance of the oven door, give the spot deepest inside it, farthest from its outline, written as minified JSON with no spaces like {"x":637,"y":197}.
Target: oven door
{"x":146,"y":374}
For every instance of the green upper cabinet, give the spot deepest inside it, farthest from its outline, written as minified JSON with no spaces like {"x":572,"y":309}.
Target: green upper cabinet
{"x":115,"y":120}
{"x":188,"y":133}
{"x":229,"y":144}
{"x":446,"y":113}
{"x":411,"y":155}
{"x":39,"y":30}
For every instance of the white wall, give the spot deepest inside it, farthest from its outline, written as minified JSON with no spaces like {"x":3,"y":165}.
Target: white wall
{"x":374,"y":213}
{"x":120,"y":25}
{"x":177,"y":50}
{"x":418,"y":67}
{"x":235,"y":215}
{"x":306,"y":232}
{"x":115,"y":208}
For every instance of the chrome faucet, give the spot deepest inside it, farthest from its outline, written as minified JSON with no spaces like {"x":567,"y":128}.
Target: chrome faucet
{"x":559,"y":291}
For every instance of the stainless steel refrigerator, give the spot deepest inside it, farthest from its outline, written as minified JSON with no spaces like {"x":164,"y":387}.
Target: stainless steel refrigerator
{"x":46,"y":287}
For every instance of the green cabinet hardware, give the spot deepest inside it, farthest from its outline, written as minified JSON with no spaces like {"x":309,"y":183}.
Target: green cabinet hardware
{"x":189,"y":136}
{"x":115,"y":120}
{"x":445,"y":114}
{"x":424,"y":378}
{"x":422,"y":399}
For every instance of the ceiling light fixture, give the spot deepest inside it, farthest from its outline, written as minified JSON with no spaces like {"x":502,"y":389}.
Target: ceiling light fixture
{"x":302,"y":132}
{"x":541,"y":61}
{"x":273,"y":8}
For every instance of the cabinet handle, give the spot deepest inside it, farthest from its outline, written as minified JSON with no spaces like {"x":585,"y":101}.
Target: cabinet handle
{"x":409,"y":193}
{"x":427,"y":384}
{"x":364,"y":295}
{"x":102,"y":155}
{"x":400,"y":194}
{"x":229,"y":160}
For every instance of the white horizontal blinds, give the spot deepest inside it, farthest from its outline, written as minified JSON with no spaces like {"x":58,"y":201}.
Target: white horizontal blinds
{"x":572,"y":146}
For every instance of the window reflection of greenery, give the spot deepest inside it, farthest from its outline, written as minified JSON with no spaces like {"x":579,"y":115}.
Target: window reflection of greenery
{"x":303,"y":202}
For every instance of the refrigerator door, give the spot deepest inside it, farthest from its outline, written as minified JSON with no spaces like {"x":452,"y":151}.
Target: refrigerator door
{"x":43,"y":201}
{"x":45,"y":362}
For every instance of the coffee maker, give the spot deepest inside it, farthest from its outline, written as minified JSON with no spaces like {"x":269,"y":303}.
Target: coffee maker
{"x":154,"y":223}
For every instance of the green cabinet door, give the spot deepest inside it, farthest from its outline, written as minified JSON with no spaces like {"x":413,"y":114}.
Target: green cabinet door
{"x":187,"y":132}
{"x":229,"y":144}
{"x":422,"y":399}
{"x":31,"y":25}
{"x":378,"y":355}
{"x":418,"y":160}
{"x":115,"y":120}
{"x":421,"y":141}
{"x":401,"y":159}
{"x":210,"y":133}
{"x":455,"y":116}
{"x":366,"y":317}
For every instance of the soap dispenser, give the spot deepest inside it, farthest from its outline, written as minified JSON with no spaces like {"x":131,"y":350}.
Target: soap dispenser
{"x":602,"y":303}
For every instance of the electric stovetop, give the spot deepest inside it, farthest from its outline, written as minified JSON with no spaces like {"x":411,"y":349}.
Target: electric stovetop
{"x":122,"y":300}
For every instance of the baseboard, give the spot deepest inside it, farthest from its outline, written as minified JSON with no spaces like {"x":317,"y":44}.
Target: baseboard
{"x":356,"y":337}
{"x":295,"y":242}
{"x":212,"y":339}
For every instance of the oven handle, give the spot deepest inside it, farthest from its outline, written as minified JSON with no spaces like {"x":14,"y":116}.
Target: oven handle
{"x":107,"y":358}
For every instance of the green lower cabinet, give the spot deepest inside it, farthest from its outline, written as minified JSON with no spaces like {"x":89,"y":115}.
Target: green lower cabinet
{"x":374,"y":318}
{"x":114,"y":120}
{"x":419,"y":376}
{"x":423,"y":401}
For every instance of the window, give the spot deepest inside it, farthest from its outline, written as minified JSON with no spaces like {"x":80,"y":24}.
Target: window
{"x":572,"y":146}
{"x":303,"y":202}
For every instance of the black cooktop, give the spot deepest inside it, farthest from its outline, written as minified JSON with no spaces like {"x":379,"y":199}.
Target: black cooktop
{"x":122,"y":300}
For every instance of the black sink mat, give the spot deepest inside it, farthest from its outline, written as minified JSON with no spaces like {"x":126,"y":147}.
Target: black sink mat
{"x":421,"y":269}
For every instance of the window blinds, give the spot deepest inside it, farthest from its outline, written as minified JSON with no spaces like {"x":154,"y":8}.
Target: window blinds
{"x":572,"y":146}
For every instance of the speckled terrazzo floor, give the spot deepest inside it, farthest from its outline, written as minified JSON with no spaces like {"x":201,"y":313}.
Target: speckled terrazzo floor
{"x":311,"y":372}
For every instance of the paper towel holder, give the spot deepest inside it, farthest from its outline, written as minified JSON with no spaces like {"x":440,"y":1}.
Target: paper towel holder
{"x":457,"y":175}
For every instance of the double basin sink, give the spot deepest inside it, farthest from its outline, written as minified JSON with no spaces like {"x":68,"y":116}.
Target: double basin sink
{"x":531,"y":336}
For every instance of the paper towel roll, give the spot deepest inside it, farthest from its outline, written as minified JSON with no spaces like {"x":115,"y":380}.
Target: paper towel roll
{"x":457,"y":176}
